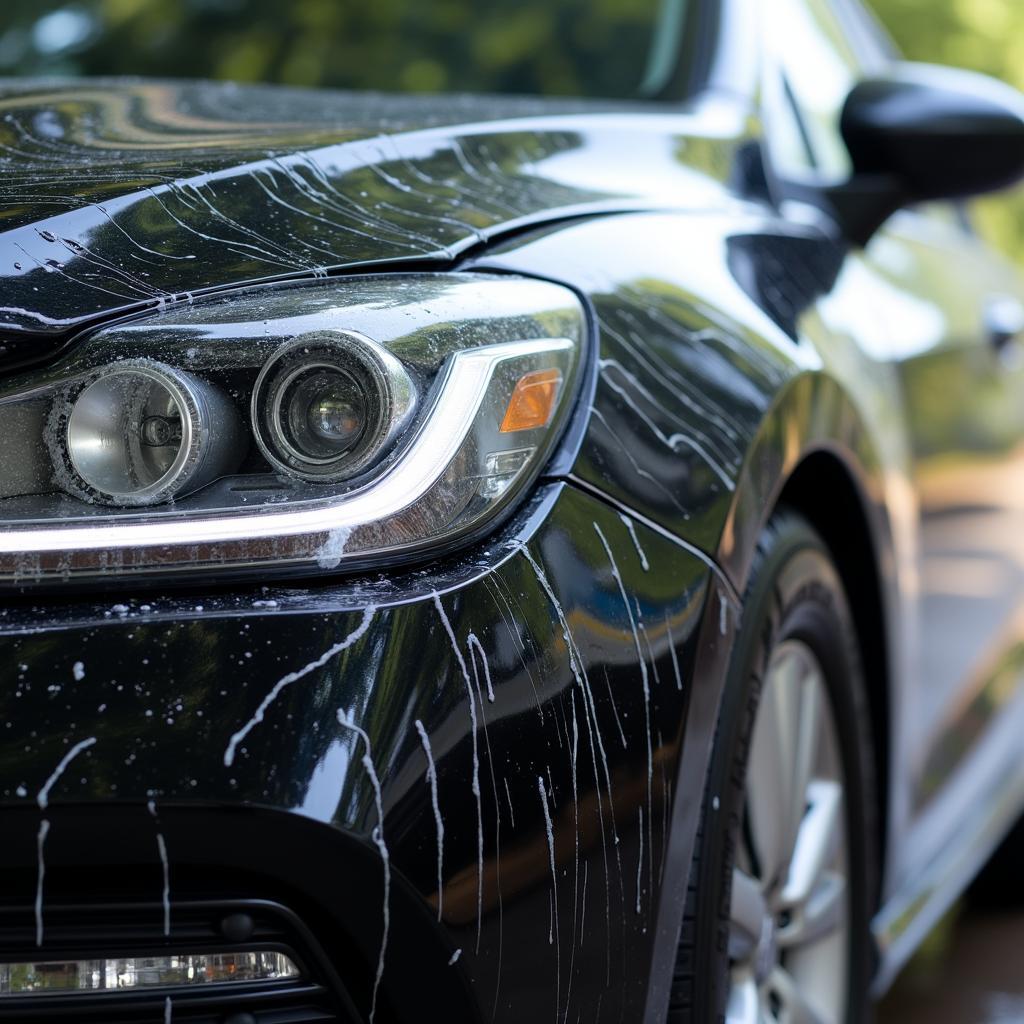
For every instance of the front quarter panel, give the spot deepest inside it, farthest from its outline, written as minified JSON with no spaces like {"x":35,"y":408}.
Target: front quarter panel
{"x":714,"y":332}
{"x":731,"y":350}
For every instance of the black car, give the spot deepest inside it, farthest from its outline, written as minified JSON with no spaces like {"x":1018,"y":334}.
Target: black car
{"x":499,"y":558}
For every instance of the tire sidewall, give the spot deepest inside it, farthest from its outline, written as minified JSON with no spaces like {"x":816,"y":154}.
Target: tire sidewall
{"x":795,"y":593}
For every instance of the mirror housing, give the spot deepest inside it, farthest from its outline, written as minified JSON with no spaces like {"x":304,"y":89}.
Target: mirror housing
{"x":922,"y":133}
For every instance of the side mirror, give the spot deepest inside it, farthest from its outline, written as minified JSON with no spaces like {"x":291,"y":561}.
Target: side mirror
{"x":925,"y":132}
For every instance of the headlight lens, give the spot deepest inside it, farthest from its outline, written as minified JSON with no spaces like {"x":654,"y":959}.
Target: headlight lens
{"x":297,"y":427}
{"x":327,"y":405}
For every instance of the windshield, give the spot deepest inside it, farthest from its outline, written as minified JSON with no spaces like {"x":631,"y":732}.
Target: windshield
{"x":619,"y":49}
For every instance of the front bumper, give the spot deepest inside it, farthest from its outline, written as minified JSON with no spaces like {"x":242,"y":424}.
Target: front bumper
{"x":250,"y":731}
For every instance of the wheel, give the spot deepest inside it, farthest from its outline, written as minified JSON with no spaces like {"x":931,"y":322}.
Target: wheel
{"x":776,"y":927}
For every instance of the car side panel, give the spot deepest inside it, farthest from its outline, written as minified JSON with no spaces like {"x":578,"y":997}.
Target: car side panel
{"x":732,"y":349}
{"x":726,"y":342}
{"x":964,"y":402}
{"x":963,"y":703}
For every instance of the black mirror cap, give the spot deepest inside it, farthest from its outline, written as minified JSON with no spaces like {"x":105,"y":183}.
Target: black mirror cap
{"x":941,"y":133}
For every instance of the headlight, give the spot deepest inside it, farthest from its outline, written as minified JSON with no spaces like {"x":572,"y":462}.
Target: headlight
{"x":295,"y":427}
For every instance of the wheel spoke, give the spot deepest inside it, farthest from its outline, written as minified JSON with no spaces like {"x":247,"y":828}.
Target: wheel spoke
{"x":747,"y":914}
{"x":810,"y":698}
{"x":817,"y":842}
{"x":795,"y":1009}
{"x":789,"y":914}
{"x":822,"y":914}
{"x":770,"y":774}
{"x":744,"y":1005}
{"x":781,"y":759}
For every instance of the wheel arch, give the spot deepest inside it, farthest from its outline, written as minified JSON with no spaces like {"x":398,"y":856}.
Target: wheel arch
{"x":815,"y":455}
{"x":823,"y":491}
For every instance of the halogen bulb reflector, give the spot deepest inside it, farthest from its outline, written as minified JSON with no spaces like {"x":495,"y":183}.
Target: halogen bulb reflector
{"x":141,"y":432}
{"x":125,"y":431}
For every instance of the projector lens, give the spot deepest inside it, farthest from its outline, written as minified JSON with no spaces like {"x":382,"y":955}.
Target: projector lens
{"x":330,"y":405}
{"x":326,"y":413}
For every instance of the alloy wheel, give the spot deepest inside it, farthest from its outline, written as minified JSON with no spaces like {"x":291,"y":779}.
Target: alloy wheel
{"x":789,"y":937}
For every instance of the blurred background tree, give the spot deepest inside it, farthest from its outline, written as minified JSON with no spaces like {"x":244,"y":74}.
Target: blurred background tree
{"x":569,"y":48}
{"x":341,"y":42}
{"x":987,"y":35}
{"x":439,"y":45}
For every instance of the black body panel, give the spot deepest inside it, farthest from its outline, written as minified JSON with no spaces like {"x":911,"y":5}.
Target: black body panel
{"x":117,"y":197}
{"x":475,"y":781}
{"x":572,"y":767}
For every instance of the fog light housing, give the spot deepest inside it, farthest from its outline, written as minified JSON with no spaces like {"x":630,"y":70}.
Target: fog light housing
{"x":139,"y":433}
{"x":329,"y":405}
{"x":133,"y":973}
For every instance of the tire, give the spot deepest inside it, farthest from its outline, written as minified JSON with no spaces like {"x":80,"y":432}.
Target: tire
{"x":796,"y":647}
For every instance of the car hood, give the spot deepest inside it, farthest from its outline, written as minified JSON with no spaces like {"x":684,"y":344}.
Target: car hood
{"x":117,"y":195}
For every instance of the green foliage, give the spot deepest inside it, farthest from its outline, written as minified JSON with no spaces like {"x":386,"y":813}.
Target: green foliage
{"x":572,"y":47}
{"x":986,"y":35}
{"x":425,"y":45}
{"x":535,"y":46}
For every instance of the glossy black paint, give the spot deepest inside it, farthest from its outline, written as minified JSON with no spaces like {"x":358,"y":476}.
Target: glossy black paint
{"x":164,"y":685}
{"x":741,"y":358}
{"x":688,"y":361}
{"x":732,"y":344}
{"x":117,"y":197}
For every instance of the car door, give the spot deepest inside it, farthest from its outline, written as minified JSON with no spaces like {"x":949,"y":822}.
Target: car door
{"x":946,"y":311}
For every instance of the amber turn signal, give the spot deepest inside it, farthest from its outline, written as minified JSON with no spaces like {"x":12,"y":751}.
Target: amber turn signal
{"x":533,"y":401}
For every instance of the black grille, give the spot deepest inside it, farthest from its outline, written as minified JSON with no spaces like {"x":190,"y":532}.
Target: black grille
{"x":86,"y":932}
